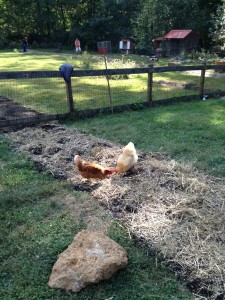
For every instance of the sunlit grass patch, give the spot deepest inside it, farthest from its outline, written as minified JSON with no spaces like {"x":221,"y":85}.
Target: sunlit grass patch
{"x":191,"y":132}
{"x":37,"y":225}
{"x":48,"y":95}
{"x":45,"y":95}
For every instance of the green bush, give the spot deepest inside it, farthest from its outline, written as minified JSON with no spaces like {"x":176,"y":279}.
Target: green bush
{"x":14,"y":45}
{"x":3,"y":42}
{"x":200,"y":56}
{"x":86,"y":60}
{"x":35,"y":44}
{"x":120,"y":64}
{"x":43,"y":45}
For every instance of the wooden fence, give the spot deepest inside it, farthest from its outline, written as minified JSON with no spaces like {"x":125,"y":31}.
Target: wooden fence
{"x":107,"y":72}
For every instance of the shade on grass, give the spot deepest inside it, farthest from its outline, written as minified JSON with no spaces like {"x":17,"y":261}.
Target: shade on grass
{"x":192,"y":132}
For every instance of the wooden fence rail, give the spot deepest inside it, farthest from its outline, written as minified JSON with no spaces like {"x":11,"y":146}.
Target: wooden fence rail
{"x":109,"y":72}
{"x":91,"y":73}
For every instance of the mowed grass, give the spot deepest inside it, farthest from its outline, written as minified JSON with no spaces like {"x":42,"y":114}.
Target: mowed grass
{"x":191,"y":132}
{"x":48,"y":95}
{"x":36,"y":226}
{"x":19,"y":61}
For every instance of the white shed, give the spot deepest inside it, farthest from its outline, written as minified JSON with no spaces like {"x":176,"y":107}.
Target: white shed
{"x":126,"y":46}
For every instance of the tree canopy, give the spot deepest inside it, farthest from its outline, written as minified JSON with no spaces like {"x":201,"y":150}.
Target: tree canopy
{"x":50,"y":21}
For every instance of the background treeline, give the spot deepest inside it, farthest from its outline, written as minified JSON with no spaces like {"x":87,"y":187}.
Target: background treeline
{"x":47,"y":22}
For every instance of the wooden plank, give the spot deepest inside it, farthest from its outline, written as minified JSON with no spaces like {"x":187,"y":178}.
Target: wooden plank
{"x":69,"y":96}
{"x":202,"y":82}
{"x":83,"y":73}
{"x":28,"y":120}
{"x":93,"y":112}
{"x":150,"y":84}
{"x":29,"y":74}
{"x":109,"y":90}
{"x":88,"y":113}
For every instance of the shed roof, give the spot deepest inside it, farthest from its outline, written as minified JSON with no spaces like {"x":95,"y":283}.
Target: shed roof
{"x":160,"y":38}
{"x":127,"y":39}
{"x":177,"y":34}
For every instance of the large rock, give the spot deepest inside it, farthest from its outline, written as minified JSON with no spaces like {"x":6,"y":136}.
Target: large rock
{"x":91,"y":258}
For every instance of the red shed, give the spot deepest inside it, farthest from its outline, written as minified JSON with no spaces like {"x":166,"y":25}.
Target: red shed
{"x":127,"y":46}
{"x":157,"y":42}
{"x":177,"y":41}
{"x":104,"y":47}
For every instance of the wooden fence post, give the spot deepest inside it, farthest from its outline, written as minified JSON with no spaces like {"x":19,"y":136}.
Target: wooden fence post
{"x":69,"y":95}
{"x":109,"y":90}
{"x":150,"y":82}
{"x":66,"y":72}
{"x":202,"y":81}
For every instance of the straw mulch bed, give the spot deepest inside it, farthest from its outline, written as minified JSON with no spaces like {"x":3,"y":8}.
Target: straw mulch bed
{"x":178,"y":211}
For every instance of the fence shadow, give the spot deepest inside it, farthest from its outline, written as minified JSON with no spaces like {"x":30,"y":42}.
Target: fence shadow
{"x":37,"y":96}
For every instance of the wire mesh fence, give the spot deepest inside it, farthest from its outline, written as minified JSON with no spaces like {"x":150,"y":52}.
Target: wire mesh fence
{"x":170,"y":85}
{"x":45,"y":95}
{"x":94,"y":93}
{"x":215,"y":82}
{"x":36,"y":95}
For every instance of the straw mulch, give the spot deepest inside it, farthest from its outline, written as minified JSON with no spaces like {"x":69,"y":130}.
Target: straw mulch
{"x":177,"y":210}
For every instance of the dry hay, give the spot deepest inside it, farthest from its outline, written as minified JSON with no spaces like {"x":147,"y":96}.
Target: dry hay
{"x":178,"y":211}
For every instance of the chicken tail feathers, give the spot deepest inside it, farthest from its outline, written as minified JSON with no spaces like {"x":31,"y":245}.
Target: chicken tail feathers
{"x":129,"y":148}
{"x":78,"y":161}
{"x":77,"y":158}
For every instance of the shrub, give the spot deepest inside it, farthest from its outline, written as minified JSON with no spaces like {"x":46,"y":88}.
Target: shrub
{"x":43,"y":45}
{"x":200,"y":56}
{"x":86,"y":60}
{"x":13,"y":45}
{"x":3,"y":41}
{"x":35,"y":44}
{"x":120,"y":64}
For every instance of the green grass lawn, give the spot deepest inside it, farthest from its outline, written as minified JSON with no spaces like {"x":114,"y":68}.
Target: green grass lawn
{"x":36,"y":226}
{"x":49,"y":95}
{"x":190,"y":132}
{"x":19,"y":61}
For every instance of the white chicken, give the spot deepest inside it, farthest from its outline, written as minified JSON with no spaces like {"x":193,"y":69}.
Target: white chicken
{"x":127,"y":159}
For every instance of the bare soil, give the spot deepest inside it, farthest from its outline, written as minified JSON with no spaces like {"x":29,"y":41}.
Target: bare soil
{"x":10,"y":109}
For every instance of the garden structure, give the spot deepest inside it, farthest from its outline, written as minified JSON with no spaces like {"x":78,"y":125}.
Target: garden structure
{"x":177,"y":42}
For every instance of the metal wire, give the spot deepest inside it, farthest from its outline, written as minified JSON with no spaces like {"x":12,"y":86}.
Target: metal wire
{"x":32,"y":97}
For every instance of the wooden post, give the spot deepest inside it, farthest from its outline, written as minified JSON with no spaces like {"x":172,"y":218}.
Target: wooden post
{"x":202,"y":81}
{"x":109,"y":91}
{"x":69,"y":95}
{"x":150,"y":82}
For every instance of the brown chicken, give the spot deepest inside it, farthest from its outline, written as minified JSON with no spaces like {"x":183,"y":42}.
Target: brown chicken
{"x":91,"y":170}
{"x":127,"y":159}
